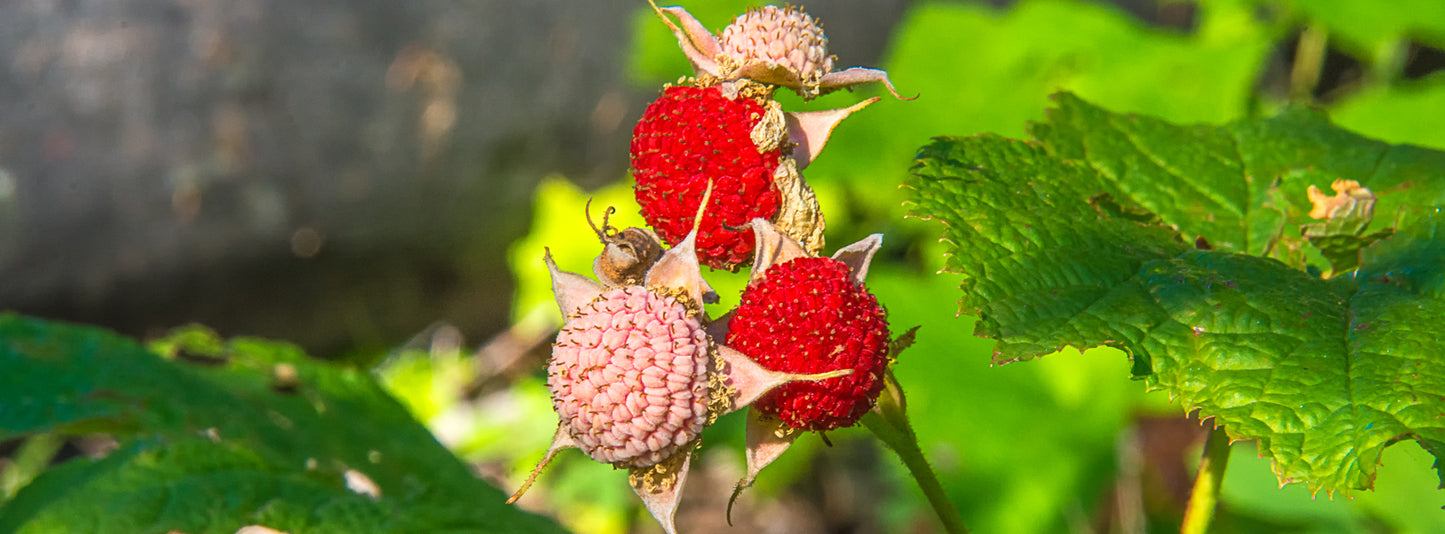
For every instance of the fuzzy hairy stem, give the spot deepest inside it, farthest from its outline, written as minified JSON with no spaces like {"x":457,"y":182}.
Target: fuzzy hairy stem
{"x":889,"y":422}
{"x":1204,"y":499}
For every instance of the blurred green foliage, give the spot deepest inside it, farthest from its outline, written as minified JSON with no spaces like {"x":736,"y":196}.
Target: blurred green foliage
{"x":1370,"y":30}
{"x":215,"y":435}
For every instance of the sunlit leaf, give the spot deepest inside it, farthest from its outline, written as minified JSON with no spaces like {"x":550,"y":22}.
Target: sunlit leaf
{"x":1056,"y":251}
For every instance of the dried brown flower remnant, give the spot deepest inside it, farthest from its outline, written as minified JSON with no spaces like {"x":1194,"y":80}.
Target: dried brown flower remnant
{"x":626,"y":255}
{"x":1349,"y":198}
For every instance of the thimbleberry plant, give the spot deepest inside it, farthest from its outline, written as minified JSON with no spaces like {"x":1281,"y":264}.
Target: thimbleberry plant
{"x":637,"y":373}
{"x":1211,"y":255}
{"x":1281,"y":277}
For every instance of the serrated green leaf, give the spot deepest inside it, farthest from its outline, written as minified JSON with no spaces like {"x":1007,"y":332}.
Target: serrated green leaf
{"x":284,"y":418}
{"x":1241,"y":186}
{"x":1014,"y":216}
{"x":1324,"y":373}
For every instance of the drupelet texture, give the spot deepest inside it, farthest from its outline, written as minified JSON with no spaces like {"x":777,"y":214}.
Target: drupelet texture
{"x":629,"y":377}
{"x":693,"y":135}
{"x":808,"y":315}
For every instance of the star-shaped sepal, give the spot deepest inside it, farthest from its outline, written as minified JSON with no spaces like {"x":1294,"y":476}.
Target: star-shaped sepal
{"x":752,"y":48}
{"x":768,"y":436}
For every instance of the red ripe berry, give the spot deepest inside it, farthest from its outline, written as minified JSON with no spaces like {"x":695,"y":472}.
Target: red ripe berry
{"x":808,"y":315}
{"x":689,"y":136}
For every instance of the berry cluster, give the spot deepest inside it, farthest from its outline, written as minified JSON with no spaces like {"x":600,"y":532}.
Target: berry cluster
{"x":638,"y":370}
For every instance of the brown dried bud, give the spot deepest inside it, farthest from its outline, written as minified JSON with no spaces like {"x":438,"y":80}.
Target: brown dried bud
{"x":626,"y":255}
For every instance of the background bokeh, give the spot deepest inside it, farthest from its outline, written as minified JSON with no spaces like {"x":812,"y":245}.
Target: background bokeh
{"x":378,"y":180}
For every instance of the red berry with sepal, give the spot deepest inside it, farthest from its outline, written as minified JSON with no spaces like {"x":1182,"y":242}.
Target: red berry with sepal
{"x":810,"y":315}
{"x":689,"y":136}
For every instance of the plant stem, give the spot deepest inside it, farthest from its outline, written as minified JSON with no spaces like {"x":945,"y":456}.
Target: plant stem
{"x":1309,"y":60}
{"x":32,"y":458}
{"x":889,"y":422}
{"x":1388,"y":63}
{"x":1205,"y":497}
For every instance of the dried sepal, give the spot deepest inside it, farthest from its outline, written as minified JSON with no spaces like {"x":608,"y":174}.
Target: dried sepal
{"x":561,"y":441}
{"x":695,"y":40}
{"x":859,"y":255}
{"x":571,"y":290}
{"x":809,"y":130}
{"x":767,"y":439}
{"x":746,"y":380}
{"x":679,"y":268}
{"x":772,"y":247}
{"x":773,"y":129}
{"x":660,"y":487}
{"x":799,"y":215}
{"x":844,"y":79}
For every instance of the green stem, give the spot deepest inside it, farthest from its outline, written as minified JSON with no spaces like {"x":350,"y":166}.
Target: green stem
{"x":1309,"y":60}
{"x":889,"y":422}
{"x":32,"y":458}
{"x":1205,"y":497}
{"x":1388,"y":63}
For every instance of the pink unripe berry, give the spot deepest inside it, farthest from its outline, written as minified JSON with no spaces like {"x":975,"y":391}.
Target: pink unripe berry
{"x":786,"y":36}
{"x":629,"y":377}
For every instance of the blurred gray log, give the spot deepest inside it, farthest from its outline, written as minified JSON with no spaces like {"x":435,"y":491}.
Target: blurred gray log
{"x":333,"y":172}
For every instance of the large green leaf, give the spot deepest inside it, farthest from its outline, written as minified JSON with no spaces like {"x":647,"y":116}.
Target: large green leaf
{"x":1241,"y":186}
{"x":1080,"y":239}
{"x":217,"y":435}
{"x":195,"y":486}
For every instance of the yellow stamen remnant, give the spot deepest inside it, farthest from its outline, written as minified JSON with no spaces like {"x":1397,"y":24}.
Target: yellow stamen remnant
{"x":1349,"y":196}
